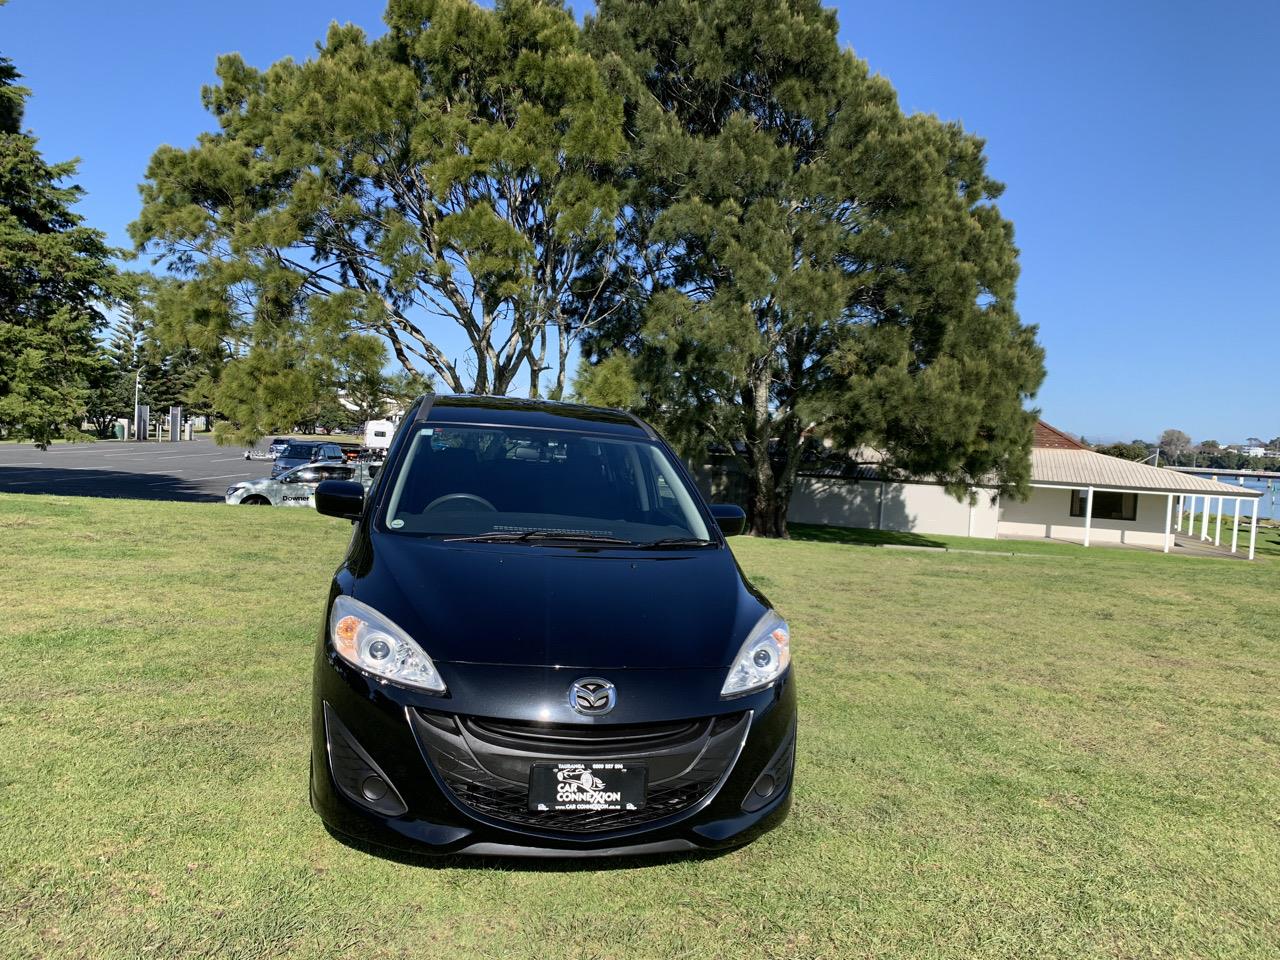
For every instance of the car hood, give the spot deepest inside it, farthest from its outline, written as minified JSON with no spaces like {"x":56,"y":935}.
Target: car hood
{"x":549,"y":606}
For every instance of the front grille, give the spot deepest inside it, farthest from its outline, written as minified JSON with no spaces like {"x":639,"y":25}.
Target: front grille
{"x":485,"y":764}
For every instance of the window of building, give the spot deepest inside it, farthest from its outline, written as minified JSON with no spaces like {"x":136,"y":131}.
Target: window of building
{"x":1106,"y":505}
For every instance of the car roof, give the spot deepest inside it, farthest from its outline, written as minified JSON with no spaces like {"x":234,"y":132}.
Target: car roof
{"x":543,"y":414}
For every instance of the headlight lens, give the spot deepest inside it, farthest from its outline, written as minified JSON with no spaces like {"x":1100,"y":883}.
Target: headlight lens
{"x":763,"y":658}
{"x":368,"y":640}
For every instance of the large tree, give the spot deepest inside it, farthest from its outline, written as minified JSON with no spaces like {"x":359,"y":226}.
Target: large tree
{"x":805,"y":261}
{"x":1174,"y":443}
{"x":456,"y":172}
{"x":55,"y":274}
{"x":1134,"y":450}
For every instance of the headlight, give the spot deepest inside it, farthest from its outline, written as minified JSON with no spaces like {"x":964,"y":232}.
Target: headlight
{"x":368,"y":640}
{"x":763,"y":658}
{"x":234,"y":487}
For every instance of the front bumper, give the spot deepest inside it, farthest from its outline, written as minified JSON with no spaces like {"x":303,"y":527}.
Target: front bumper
{"x":719,"y":777}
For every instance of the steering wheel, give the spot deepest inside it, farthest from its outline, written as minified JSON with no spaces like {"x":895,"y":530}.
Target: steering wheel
{"x":470,"y":497}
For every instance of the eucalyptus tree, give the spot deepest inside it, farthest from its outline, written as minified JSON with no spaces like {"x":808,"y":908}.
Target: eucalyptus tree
{"x":455,"y":173}
{"x":805,"y":262}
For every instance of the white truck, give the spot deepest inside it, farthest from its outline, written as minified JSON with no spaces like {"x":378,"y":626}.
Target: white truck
{"x":377,"y":436}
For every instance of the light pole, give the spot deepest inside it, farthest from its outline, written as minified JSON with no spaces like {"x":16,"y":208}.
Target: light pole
{"x":137,"y":389}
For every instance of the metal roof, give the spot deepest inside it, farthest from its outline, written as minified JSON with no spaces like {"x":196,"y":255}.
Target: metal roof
{"x":1087,"y":468}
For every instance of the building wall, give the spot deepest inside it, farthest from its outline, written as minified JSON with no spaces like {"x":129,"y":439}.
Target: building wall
{"x":908,"y":507}
{"x":1047,"y":513}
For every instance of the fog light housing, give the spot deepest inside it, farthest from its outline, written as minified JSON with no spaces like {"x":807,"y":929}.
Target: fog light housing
{"x":374,"y":788}
{"x":355,"y":773}
{"x":775,"y":777}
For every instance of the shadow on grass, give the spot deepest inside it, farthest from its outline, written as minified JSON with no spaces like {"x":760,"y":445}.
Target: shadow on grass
{"x":864,"y":538}
{"x":533,"y":864}
{"x":1268,"y":544}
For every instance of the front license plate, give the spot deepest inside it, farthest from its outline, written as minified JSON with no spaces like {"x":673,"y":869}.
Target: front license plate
{"x":587,"y":786}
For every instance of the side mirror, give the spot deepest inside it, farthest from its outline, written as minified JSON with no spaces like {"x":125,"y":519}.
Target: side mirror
{"x":732,"y":519}
{"x":340,"y":498}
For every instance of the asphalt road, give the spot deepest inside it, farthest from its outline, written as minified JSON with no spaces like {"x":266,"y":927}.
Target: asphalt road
{"x":191,"y":470}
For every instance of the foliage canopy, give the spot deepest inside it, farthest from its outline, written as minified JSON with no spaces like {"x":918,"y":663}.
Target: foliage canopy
{"x":806,"y":262}
{"x":55,"y":276}
{"x":455,"y":171}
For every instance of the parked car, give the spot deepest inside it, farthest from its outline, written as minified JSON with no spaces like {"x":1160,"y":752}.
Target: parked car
{"x":278,"y":445}
{"x":539,"y":643}
{"x":297,"y":487}
{"x":298,"y":452}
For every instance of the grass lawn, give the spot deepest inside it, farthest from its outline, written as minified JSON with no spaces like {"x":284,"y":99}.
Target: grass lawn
{"x":1076,"y":755}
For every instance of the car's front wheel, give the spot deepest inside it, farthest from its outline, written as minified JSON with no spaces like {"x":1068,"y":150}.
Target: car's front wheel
{"x":255,"y":501}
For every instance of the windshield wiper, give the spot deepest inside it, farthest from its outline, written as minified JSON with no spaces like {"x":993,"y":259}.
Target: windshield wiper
{"x":676,"y":542}
{"x":511,"y":536}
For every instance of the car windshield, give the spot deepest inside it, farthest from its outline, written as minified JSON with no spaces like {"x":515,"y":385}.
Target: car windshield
{"x":509,"y":483}
{"x":298,"y":451}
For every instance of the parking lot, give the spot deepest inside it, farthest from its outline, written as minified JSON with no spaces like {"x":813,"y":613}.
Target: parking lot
{"x":194,"y":470}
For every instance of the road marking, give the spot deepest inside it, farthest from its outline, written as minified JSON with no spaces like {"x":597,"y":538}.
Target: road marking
{"x":28,"y":463}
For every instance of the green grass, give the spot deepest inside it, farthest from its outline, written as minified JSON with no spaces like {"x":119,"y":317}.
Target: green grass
{"x":1072,"y":757}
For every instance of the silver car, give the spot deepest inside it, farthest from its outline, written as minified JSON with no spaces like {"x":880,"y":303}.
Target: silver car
{"x":297,"y":487}
{"x":299,"y":452}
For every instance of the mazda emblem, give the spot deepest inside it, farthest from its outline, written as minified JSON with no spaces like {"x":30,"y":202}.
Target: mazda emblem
{"x":592,"y":697}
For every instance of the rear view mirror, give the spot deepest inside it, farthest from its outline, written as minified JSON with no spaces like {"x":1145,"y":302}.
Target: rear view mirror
{"x":732,"y":519}
{"x":340,"y":498}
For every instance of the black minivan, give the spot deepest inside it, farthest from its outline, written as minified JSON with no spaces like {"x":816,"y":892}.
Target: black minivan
{"x":539,"y":643}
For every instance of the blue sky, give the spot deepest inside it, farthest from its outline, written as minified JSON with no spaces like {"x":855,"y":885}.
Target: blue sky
{"x":1139,"y":142}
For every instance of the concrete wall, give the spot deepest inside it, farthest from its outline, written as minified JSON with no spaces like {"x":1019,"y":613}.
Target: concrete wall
{"x":1047,"y":513}
{"x":908,"y":507}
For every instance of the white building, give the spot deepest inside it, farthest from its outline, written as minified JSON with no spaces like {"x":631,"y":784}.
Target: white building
{"x":1077,"y":494}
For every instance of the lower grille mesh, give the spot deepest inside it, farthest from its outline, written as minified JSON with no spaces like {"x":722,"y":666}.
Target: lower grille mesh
{"x":485,"y":764}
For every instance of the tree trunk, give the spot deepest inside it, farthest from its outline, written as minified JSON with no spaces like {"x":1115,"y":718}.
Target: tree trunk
{"x":773,"y":458}
{"x":769,"y":494}
{"x":766,"y":502}
{"x":768,"y":511}
{"x":562,"y":346}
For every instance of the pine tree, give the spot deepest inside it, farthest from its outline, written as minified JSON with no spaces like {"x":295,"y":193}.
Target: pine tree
{"x":457,"y":170}
{"x":55,"y":274}
{"x":805,"y":261}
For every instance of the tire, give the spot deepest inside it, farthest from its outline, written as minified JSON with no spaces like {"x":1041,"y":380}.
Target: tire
{"x":255,"y":501}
